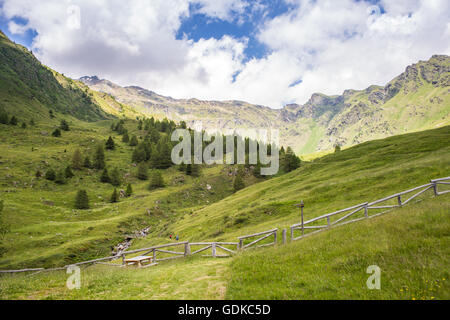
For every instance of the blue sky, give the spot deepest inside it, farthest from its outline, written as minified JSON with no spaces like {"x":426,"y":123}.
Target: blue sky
{"x":264,"y":52}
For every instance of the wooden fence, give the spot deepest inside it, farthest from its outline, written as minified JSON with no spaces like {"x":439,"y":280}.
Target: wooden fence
{"x":263,"y":235}
{"x":363,"y":210}
{"x":324,"y":222}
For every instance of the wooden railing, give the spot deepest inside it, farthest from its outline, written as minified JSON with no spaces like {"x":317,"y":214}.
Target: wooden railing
{"x":363,"y":210}
{"x":264,"y":235}
{"x":214,"y":246}
{"x":324,"y":222}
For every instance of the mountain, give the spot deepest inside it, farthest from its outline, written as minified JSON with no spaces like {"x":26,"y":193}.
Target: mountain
{"x":30,"y":89}
{"x":416,"y":100}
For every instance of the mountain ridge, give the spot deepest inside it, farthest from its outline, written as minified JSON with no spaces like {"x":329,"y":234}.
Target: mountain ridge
{"x":323,"y":121}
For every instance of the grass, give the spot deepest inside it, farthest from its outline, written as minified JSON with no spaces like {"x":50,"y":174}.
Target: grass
{"x":411,"y":246}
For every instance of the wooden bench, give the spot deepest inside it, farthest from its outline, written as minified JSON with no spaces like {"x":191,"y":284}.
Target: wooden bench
{"x":138,"y":261}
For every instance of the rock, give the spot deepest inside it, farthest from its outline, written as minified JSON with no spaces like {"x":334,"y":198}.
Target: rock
{"x":208,"y":187}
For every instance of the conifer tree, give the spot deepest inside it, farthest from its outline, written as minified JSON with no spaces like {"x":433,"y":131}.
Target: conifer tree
{"x":105,"y":176}
{"x":32,"y":123}
{"x":129,"y":190}
{"x":134,"y":141}
{"x":239,"y":181}
{"x":77,"y":161}
{"x":125,"y":137}
{"x":60,"y":177}
{"x":337,"y":148}
{"x":142,"y":173}
{"x":68,"y":172}
{"x":110,"y":145}
{"x":114,"y":196}
{"x":56,"y":133}
{"x":50,"y":113}
{"x":115,"y":177}
{"x":290,"y":161}
{"x":4,"y":118}
{"x":24,"y":125}
{"x":156,"y":181}
{"x":13,"y":121}
{"x":99,"y":161}
{"x":82,"y":200}
{"x":189,"y":169}
{"x":64,"y":125}
{"x":87,"y":163}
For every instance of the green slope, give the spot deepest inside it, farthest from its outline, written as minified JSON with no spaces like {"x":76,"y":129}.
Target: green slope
{"x":28,"y":89}
{"x":411,"y":246}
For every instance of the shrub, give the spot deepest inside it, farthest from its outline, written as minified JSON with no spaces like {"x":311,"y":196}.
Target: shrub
{"x":129,"y":190}
{"x":56,"y":133}
{"x":142,"y":173}
{"x":110,"y":145}
{"x":115,"y":177}
{"x":114,"y":196}
{"x":50,"y":175}
{"x":105,"y":176}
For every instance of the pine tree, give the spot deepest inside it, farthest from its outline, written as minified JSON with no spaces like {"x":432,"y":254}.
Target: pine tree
{"x":87,"y":163}
{"x":68,"y":172}
{"x":290,"y":161}
{"x":114,"y":196}
{"x":13,"y":121}
{"x":134,"y":141}
{"x":105,"y":176}
{"x":125,"y":137}
{"x":129,"y":190}
{"x":82,"y":200}
{"x":110,"y":145}
{"x":4,"y":118}
{"x":50,"y":175}
{"x":60,"y":177}
{"x":142,"y":173}
{"x":50,"y":113}
{"x":115,"y":177}
{"x":99,"y":161}
{"x":239,"y":183}
{"x":24,"y":125}
{"x":38,"y":173}
{"x":56,"y":133}
{"x":337,"y":148}
{"x":156,"y":181}
{"x":32,"y":123}
{"x":64,"y":125}
{"x":77,"y":161}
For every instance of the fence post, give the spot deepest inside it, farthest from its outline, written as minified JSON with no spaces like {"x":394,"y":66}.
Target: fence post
{"x":292,"y":234}
{"x":399,"y":198}
{"x":154,"y":255}
{"x":366,"y":211}
{"x":241,"y":244}
{"x":284,"y":236}
{"x":187,"y":249}
{"x":275,"y":237}
{"x":435,"y":188}
{"x":123,"y":259}
{"x":328,"y":221}
{"x":213,"y":250}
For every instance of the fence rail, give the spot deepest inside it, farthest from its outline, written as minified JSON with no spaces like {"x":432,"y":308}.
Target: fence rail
{"x":304,"y":227}
{"x":380,"y":204}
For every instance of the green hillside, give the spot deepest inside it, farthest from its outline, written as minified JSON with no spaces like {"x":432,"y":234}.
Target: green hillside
{"x":29,"y":89}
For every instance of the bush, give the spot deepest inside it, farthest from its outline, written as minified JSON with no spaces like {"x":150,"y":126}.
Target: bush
{"x":99,"y":161}
{"x":68,"y":173}
{"x":134,"y":141}
{"x":56,"y":133}
{"x":13,"y":121}
{"x":239,"y":183}
{"x":60,"y":177}
{"x":50,"y":175}
{"x":82,"y":200}
{"x":64,"y":125}
{"x":87,"y":163}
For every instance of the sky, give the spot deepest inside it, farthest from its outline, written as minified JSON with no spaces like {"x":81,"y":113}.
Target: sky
{"x":264,"y":52}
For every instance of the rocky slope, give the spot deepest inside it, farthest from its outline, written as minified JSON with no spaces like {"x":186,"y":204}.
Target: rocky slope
{"x":418,"y":99}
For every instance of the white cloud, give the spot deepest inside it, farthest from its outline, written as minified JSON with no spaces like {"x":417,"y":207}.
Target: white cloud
{"x":330,"y":45}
